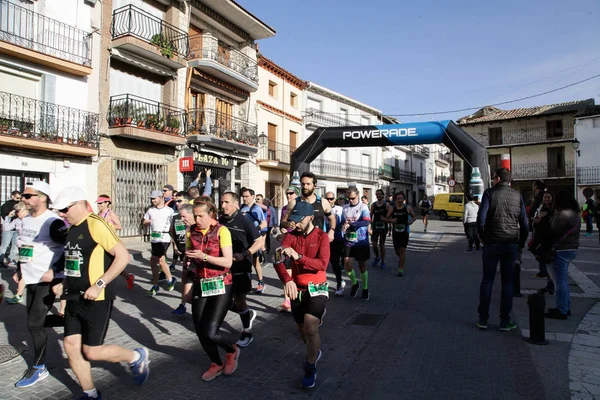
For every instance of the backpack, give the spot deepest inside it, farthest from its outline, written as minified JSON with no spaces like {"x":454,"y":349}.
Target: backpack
{"x":249,"y":213}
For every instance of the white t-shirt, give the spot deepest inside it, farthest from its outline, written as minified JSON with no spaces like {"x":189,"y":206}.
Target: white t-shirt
{"x":161,"y":223}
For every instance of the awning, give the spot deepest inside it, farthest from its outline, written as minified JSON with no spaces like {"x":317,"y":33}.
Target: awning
{"x":141,"y":62}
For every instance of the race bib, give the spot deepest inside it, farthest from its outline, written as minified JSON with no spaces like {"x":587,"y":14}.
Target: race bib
{"x":212,"y":286}
{"x":156,"y":235}
{"x":179,"y":228}
{"x":72,"y":266}
{"x":321,"y":289}
{"x":26,"y":253}
{"x":351,"y":236}
{"x":399,"y":228}
{"x":379,"y":225}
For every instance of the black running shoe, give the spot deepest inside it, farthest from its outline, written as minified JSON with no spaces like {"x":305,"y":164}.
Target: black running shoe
{"x":354,"y":290}
{"x":365,"y":294}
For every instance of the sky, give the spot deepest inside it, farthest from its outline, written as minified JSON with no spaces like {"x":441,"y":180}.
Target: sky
{"x":417,"y":57}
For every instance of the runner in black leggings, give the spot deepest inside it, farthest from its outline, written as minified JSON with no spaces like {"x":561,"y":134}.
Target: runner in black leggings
{"x":210,"y":252}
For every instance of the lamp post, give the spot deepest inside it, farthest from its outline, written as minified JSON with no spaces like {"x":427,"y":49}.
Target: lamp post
{"x":262,"y":142}
{"x":576,"y":155}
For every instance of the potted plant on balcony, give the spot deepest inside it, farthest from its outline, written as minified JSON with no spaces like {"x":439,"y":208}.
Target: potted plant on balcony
{"x":140,"y":116}
{"x":173,"y":125}
{"x":118,"y":115}
{"x":151,"y":120}
{"x":3,"y":125}
{"x":164,"y":45}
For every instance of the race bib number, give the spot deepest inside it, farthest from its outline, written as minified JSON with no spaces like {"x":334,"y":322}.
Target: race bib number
{"x":399,"y":228}
{"x":26,"y":253}
{"x":72,"y":266}
{"x":179,"y":228}
{"x":156,"y":235}
{"x":351,"y":236}
{"x":379,"y":225}
{"x":321,"y":289}
{"x":212,"y":286}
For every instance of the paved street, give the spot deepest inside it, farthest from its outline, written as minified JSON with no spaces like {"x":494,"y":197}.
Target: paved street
{"x":415,"y":339}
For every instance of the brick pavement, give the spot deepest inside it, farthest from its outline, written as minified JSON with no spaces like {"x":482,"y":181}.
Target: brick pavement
{"x":424,"y":345}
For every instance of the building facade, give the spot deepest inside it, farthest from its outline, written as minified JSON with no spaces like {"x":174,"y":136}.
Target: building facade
{"x":587,"y":134}
{"x":438,"y":169}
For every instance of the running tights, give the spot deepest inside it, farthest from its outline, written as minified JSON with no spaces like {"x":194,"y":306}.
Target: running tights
{"x":335,"y":257}
{"x":40,"y":299}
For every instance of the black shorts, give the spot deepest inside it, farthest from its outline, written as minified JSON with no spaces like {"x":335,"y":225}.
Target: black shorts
{"x":360,"y":254}
{"x":424,"y":213}
{"x":379,"y":235}
{"x":304,"y":304}
{"x":88,"y":319}
{"x":400,"y":240}
{"x":159,"y":249}
{"x":241,"y":282}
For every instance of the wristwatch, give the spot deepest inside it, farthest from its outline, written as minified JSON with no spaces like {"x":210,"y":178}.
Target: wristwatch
{"x":299,"y":256}
{"x":100,"y":283}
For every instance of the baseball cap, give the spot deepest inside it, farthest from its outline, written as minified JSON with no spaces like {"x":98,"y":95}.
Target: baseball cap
{"x":102,"y":199}
{"x":294,"y":189}
{"x":155,"y":193}
{"x":301,"y":209}
{"x":67,"y":196}
{"x":170,"y":187}
{"x":40,"y":186}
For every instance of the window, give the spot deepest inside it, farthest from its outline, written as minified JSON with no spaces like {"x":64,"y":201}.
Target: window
{"x":272,"y":89}
{"x":294,"y":100}
{"x":457,"y":167}
{"x":293,"y":141}
{"x":556,"y":161}
{"x":554,"y":129}
{"x":272,"y":145}
{"x":494,"y":160}
{"x":196,"y":115}
{"x":344,"y":115}
{"x":456,"y":198}
{"x":223,"y":117}
{"x":495,"y":135}
{"x":313,"y":104}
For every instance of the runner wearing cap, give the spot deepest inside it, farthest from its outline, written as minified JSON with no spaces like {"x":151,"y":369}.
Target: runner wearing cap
{"x":94,"y":258}
{"x":158,"y":218}
{"x":168,"y":194}
{"x":41,"y":259}
{"x":307,"y":248}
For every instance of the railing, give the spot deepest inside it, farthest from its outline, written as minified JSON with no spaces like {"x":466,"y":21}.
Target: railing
{"x":419,"y":149}
{"x":459,"y":176}
{"x":420,"y":180}
{"x":210,"y":48}
{"x":207,"y":121}
{"x":34,"y":119}
{"x":130,"y":20}
{"x":441,"y":179}
{"x":542,"y":170}
{"x":586,"y":175}
{"x":131,"y":110}
{"x":404,"y":176}
{"x":343,"y":170}
{"x":440,"y":156}
{"x":275,"y":151}
{"x":524,"y":136}
{"x":322,"y":118}
{"x":31,"y":30}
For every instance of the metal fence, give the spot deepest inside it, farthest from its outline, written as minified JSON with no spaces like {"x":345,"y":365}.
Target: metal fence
{"x":322,"y":118}
{"x":524,"y":136}
{"x":210,"y":48}
{"x":34,"y":119}
{"x":275,"y":151}
{"x":31,"y":30}
{"x":542,"y":170}
{"x":11,"y":180}
{"x":588,"y":175}
{"x":441,"y":179}
{"x":440,"y":156}
{"x":130,"y":20}
{"x":343,"y":170}
{"x":419,"y":150}
{"x":405,"y":176}
{"x":207,"y":121}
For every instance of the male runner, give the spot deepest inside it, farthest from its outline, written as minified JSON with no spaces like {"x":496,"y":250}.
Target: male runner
{"x":398,"y":216}
{"x":41,"y":259}
{"x":257,"y":217}
{"x":355,"y":224}
{"x":337,"y":245}
{"x":379,"y":210}
{"x":425,"y":206}
{"x":308,"y":249}
{"x":246,"y":241}
{"x":168,"y":195}
{"x":159,"y":217}
{"x":180,"y":233}
{"x":94,"y":257}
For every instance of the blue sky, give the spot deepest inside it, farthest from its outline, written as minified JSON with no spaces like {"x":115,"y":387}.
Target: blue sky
{"x":415,"y":57}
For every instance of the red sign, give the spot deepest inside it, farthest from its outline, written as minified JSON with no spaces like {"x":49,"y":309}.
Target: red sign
{"x":186,"y":164}
{"x":451,"y":182}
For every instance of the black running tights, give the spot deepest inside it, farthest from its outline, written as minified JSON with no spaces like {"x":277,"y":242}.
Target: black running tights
{"x":40,"y":299}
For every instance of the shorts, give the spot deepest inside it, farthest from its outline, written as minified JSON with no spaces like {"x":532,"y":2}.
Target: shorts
{"x":400,"y":240}
{"x":159,"y":249}
{"x":304,"y":304}
{"x":88,"y":319}
{"x":378,"y":235}
{"x":360,"y":254}
{"x":241,"y":282}
{"x":424,"y":213}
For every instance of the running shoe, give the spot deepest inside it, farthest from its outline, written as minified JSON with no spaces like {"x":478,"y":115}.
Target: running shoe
{"x":88,"y":397}
{"x":285,"y":307}
{"x":375,"y":262}
{"x":321,"y":321}
{"x":477,"y":250}
{"x":231,"y":361}
{"x":141,"y":368}
{"x":507,"y":326}
{"x":171,"y":285}
{"x":400,"y":272}
{"x":153,"y":290}
{"x":12,"y":264}
{"x":382,"y":266}
{"x":588,"y":234}
{"x":162,"y":277}
{"x":424,"y":229}
{"x":33,"y":376}
{"x":260,"y":288}
{"x":245,"y":339}
{"x":310,"y":376}
{"x":181,"y":310}
{"x":214,"y":371}
{"x":469,"y":250}
{"x":354,"y":290}
{"x":340,"y":289}
{"x":130,"y":279}
{"x":482,"y":324}
{"x":365,"y":295}
{"x":540,"y":276}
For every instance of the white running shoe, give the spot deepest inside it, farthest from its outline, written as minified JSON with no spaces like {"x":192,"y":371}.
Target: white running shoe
{"x":340,"y":290}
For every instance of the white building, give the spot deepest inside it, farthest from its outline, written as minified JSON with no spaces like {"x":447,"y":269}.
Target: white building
{"x":49,"y":73}
{"x":587,"y":134}
{"x":438,"y":169}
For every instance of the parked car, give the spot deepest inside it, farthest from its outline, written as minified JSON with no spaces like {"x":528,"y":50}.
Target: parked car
{"x":449,"y":205}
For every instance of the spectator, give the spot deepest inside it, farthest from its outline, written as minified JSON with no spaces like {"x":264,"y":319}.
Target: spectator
{"x":9,"y":236}
{"x":470,"y":223}
{"x":539,"y":187}
{"x":207,"y":183}
{"x":588,"y":210}
{"x":541,"y":225}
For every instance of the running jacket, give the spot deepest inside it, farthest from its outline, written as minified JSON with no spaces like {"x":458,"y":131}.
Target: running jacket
{"x":210,"y":243}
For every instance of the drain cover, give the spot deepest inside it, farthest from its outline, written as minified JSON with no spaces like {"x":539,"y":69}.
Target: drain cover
{"x":367,"y":319}
{"x":8,"y":352}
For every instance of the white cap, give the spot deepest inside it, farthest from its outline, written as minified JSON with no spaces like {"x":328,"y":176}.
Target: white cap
{"x":40,"y":186}
{"x":68,"y":196}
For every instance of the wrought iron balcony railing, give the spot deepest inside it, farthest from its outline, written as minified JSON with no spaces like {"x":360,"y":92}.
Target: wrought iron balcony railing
{"x":419,"y":149}
{"x":31,"y":30}
{"x":39,"y":120}
{"x":130,"y":20}
{"x":207,"y":121}
{"x":343,"y":170}
{"x":130,"y":110}
{"x":588,"y":175}
{"x":404,"y":176}
{"x":321,"y":118}
{"x":275,"y":151}
{"x":440,"y":156}
{"x":210,"y":48}
{"x":525,"y":136}
{"x":542,"y":170}
{"x":441,"y":179}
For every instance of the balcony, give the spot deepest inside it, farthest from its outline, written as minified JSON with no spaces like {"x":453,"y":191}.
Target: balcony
{"x":38,"y":125}
{"x":273,"y":154}
{"x":444,"y":158}
{"x":34,"y":37}
{"x":344,"y":171}
{"x":404,"y":176}
{"x":515,"y":137}
{"x":534,"y":171}
{"x":419,"y":150}
{"x":138,"y":118}
{"x":222,"y":130}
{"x":441,"y":179}
{"x":588,"y":175}
{"x":149,"y":37}
{"x":386,"y":172}
{"x":228,"y":64}
{"x":318,"y":118}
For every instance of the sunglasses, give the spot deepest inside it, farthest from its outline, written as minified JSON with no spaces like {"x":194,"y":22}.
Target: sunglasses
{"x":179,"y":201}
{"x":290,"y":193}
{"x":330,"y":198}
{"x":29,"y":195}
{"x":167,"y":190}
{"x":66,"y":209}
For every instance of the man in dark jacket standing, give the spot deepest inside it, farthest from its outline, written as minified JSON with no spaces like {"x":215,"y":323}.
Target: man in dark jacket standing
{"x":539,"y":187}
{"x":503,"y":229}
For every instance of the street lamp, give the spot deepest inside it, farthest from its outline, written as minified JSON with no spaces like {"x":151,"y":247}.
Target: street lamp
{"x":576,"y":144}
{"x":263,"y":139}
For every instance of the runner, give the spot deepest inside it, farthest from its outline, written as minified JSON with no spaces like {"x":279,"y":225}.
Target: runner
{"x":425,"y":206}
{"x":257,"y":216}
{"x":180,"y":233}
{"x":169,"y":196}
{"x":94,"y":257}
{"x":337,"y":245}
{"x":291,"y":193}
{"x":401,"y":217}
{"x":41,"y":260}
{"x":307,"y":247}
{"x":246,"y":240}
{"x":9,"y":236}
{"x":159,"y":217}
{"x":178,"y":236}
{"x":212,"y":292}
{"x":20,"y":212}
{"x":355,"y":224}
{"x":379,"y":209}
{"x":391,"y":202}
